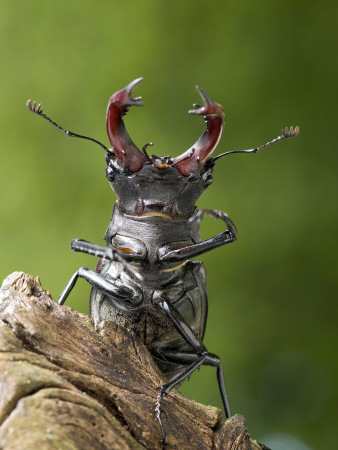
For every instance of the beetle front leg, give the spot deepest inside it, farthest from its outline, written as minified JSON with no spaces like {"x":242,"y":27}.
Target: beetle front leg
{"x":199,"y":214}
{"x":96,"y":280}
{"x":80,"y":245}
{"x":226,"y":237}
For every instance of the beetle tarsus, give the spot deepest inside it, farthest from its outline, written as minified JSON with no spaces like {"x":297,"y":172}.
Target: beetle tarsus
{"x":160,"y":395}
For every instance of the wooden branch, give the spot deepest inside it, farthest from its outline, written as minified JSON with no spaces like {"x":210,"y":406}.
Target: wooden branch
{"x":64,"y":384}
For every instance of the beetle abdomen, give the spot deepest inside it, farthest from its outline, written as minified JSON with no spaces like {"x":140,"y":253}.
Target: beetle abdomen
{"x":184,"y":288}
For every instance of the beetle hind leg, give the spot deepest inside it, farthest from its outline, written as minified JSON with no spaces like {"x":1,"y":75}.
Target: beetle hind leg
{"x":191,"y":360}
{"x":183,"y":358}
{"x":166,"y":388}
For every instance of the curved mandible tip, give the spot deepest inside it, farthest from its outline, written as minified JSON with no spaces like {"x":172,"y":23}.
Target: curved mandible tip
{"x":191,"y":161}
{"x":127,"y":153}
{"x":209,"y":106}
{"x":123,"y":97}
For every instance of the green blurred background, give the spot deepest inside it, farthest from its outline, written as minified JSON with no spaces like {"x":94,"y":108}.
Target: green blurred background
{"x":272,"y":295}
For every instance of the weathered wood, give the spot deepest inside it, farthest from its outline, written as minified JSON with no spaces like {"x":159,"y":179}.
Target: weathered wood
{"x":65,"y":384}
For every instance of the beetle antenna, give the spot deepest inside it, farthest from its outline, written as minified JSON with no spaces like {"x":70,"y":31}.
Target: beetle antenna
{"x":144,"y":149}
{"x":286,"y":133}
{"x":38,"y":109}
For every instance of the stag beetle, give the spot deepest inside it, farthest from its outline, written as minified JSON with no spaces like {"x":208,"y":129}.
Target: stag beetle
{"x":144,"y":279}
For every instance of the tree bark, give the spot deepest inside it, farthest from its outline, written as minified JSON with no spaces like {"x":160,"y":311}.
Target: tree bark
{"x":66,"y":385}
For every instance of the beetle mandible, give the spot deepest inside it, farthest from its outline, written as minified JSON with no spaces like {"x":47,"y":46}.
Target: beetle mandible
{"x":144,"y":279}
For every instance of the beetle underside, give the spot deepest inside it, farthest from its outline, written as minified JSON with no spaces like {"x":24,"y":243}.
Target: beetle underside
{"x":144,"y":279}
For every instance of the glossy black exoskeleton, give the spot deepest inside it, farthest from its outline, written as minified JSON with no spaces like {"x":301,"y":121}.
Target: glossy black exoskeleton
{"x":144,"y":279}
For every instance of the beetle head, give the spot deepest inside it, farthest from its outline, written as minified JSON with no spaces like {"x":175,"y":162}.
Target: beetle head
{"x":146,"y":184}
{"x":129,"y":157}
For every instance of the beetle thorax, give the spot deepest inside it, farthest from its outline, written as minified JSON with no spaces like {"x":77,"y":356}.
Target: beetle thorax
{"x":158,"y":188}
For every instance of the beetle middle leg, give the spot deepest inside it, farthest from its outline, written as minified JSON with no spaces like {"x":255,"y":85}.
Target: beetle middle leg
{"x":122,"y":293}
{"x":191,"y":251}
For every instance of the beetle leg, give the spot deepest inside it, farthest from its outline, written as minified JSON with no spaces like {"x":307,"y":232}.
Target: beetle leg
{"x":226,"y":237}
{"x":210,"y":360}
{"x":80,"y":245}
{"x":96,"y":280}
{"x":189,"y":336}
{"x":199,"y":214}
